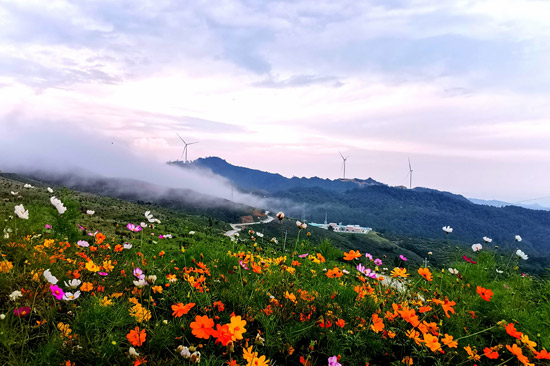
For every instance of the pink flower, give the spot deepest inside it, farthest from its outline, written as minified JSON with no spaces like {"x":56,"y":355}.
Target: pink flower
{"x":243,"y":265}
{"x":57,"y":292}
{"x":378,"y":261}
{"x":303,"y":255}
{"x":48,"y":226}
{"x":333,"y":361}
{"x":134,"y":228}
{"x":402,"y":257}
{"x":22,"y":311}
{"x":102,"y":273}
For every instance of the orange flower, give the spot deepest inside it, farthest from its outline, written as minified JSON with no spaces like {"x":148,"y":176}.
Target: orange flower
{"x":219,"y":305}
{"x":472,"y":355}
{"x":119,"y":248}
{"x":490,"y":353}
{"x":136,"y":337}
{"x":485,"y":293}
{"x":448,"y":341}
{"x":511,"y":330}
{"x":157,"y":289}
{"x":399,"y":272}
{"x":87,"y":286}
{"x":448,"y":306}
{"x":334,"y":273}
{"x":519,"y":354}
{"x":320,"y":257}
{"x":341,"y":323}
{"x":431,"y":342}
{"x":202,"y":327}
{"x":99,"y":237}
{"x":377,"y":323}
{"x":351,"y":255}
{"x":236,"y":327}
{"x":425,"y":272}
{"x":179,"y":309}
{"x":542,"y":355}
{"x":223,"y":334}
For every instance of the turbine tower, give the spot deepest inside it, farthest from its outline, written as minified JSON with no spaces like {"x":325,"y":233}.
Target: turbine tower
{"x":344,"y":163}
{"x":184,"y":152}
{"x":410,"y":175}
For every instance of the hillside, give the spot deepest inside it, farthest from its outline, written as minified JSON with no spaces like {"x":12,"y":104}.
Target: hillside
{"x":91,"y":288}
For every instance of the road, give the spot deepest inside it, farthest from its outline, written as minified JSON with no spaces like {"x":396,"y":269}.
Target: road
{"x":235,"y":228}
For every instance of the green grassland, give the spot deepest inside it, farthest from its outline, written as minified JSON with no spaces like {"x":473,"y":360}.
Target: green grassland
{"x":301,"y":303}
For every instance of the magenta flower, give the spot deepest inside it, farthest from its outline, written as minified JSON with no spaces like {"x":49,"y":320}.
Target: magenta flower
{"x":243,"y":265}
{"x":333,"y":361}
{"x":303,"y":255}
{"x":57,"y":292}
{"x":402,"y":257}
{"x":102,"y":273}
{"x":134,"y":228}
{"x":48,"y":226}
{"x":378,"y":261}
{"x":360,"y":268}
{"x":138,"y":273}
{"x":369,"y":256}
{"x":22,"y":311}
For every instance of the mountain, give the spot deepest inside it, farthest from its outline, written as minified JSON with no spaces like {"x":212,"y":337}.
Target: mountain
{"x":496,"y":203}
{"x":258,"y":181}
{"x":394,"y":211}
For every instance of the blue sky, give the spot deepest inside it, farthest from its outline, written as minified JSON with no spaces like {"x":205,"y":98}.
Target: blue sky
{"x":460,"y":87}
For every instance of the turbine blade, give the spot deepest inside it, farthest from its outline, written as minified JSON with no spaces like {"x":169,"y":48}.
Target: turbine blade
{"x":341,"y":155}
{"x":181,"y":138}
{"x":409,"y":164}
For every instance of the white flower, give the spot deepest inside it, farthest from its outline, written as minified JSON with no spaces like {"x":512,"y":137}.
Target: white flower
{"x":127,"y":246}
{"x":83,"y":243}
{"x":477,"y":247}
{"x":299,"y":224}
{"x":141,"y":283}
{"x":522,"y":255}
{"x":58,"y":205}
{"x":157,"y":221}
{"x":150,"y":217}
{"x":260,"y":235}
{"x":2,"y":316}
{"x":453,"y":271}
{"x":14,"y":193}
{"x":274,"y":240}
{"x":132,"y":352}
{"x":151,"y":278}
{"x":195,"y":357}
{"x":27,"y":185}
{"x":345,"y":271}
{"x":280,"y":215}
{"x":21,"y":212}
{"x":184,"y":351}
{"x":447,"y":229}
{"x":49,"y":277}
{"x":498,"y":270}
{"x":74,"y":283}
{"x":15,"y":295}
{"x":487,"y":240}
{"x":430,"y":253}
{"x":90,"y":212}
{"x":518,"y":238}
{"x":167,"y":236}
{"x":143,"y":225}
{"x":49,"y":190}
{"x":69,"y":296}
{"x":191,"y":232}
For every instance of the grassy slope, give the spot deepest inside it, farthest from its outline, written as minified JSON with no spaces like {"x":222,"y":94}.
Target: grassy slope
{"x":291,"y":331}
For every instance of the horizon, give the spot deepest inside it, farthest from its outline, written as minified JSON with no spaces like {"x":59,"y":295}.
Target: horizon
{"x":459,"y":88}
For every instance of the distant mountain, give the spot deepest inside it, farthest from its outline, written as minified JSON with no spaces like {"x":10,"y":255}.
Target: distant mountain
{"x":418,"y":213}
{"x":263,"y":182}
{"x":496,"y":203}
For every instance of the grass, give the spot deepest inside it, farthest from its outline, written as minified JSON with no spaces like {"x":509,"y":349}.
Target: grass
{"x":299,"y":309}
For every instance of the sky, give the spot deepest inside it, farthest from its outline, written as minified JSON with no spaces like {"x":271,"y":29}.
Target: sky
{"x":459,"y":87}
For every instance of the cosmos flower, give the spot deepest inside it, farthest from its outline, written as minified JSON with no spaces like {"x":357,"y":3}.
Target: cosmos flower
{"x":69,"y":296}
{"x":477,"y":247}
{"x":15,"y":295}
{"x":485,"y":293}
{"x":191,"y":232}
{"x":402,"y":257}
{"x":522,"y":255}
{"x":83,"y":243}
{"x":141,"y":283}
{"x":49,"y":277}
{"x":57,"y":292}
{"x":127,"y":246}
{"x":333,"y":361}
{"x":303,"y":255}
{"x":58,"y":205}
{"x":90,"y":212}
{"x":138,"y":273}
{"x":469,"y":260}
{"x":143,"y":225}
{"x":27,"y":185}
{"x":136,"y":337}
{"x":49,"y":190}
{"x":134,"y":228}
{"x":21,"y":212}
{"x":132,"y":352}
{"x":518,"y":238}
{"x":487,"y":239}
{"x":453,"y":271}
{"x":447,"y":229}
{"x":22,"y":311}
{"x":378,"y":262}
{"x":74,"y":283}
{"x":280,"y":215}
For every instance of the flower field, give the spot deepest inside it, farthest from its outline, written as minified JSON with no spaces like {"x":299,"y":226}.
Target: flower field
{"x":87,"y":280}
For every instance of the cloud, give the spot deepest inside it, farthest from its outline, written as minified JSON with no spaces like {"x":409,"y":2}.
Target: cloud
{"x":298,"y":81}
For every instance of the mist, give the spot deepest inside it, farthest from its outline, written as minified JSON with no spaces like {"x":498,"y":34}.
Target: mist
{"x":81,"y":155}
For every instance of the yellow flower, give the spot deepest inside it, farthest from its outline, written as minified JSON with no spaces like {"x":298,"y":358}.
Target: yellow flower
{"x":157,"y":289}
{"x":92,"y":267}
{"x":5,"y":266}
{"x":399,"y":272}
{"x":291,"y":297}
{"x":105,"y":301}
{"x":237,"y":327}
{"x":140,"y":313}
{"x":108,"y":266}
{"x":65,"y":329}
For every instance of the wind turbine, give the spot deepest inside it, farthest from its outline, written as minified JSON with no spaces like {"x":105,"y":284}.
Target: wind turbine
{"x":344,"y":163}
{"x":410,"y":174}
{"x":185,"y":148}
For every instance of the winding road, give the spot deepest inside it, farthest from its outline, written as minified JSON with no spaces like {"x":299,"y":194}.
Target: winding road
{"x":235,"y":228}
